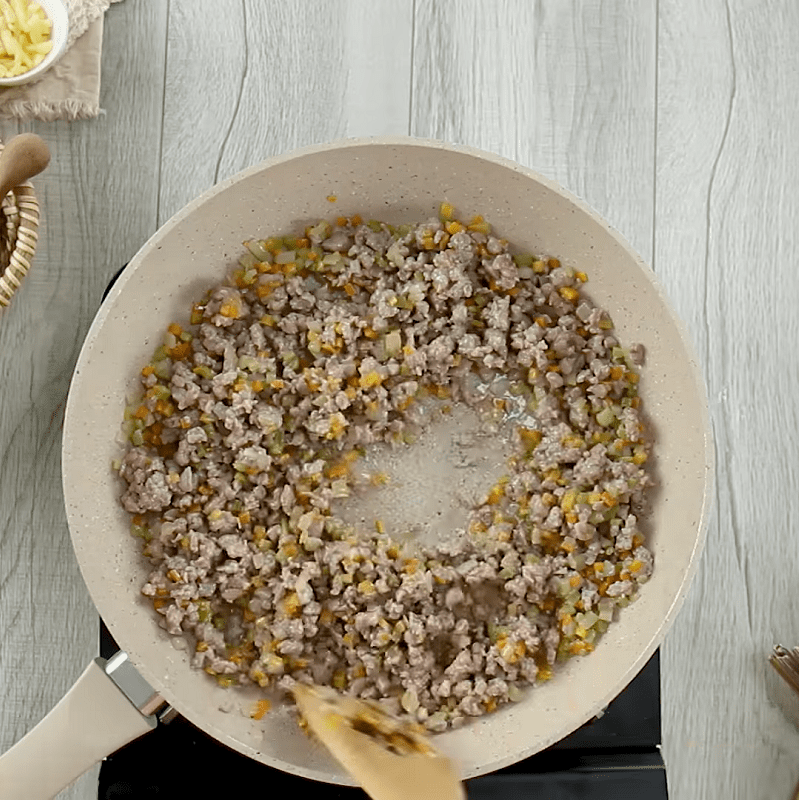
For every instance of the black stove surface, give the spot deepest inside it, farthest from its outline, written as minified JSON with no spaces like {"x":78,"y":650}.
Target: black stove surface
{"x":614,"y":756}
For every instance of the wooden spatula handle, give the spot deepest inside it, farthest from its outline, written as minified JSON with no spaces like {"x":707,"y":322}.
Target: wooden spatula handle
{"x":24,"y":156}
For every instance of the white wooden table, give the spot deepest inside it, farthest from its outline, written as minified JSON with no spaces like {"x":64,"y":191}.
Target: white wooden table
{"x":677,"y":120}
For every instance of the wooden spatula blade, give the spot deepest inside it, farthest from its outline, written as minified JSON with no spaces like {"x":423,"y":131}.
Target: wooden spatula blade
{"x":396,"y":764}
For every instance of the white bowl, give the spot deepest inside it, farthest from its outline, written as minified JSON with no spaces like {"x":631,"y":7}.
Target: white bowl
{"x":58,"y":14}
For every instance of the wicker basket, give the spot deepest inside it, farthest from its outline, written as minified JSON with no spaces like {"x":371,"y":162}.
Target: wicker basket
{"x":19,"y":226}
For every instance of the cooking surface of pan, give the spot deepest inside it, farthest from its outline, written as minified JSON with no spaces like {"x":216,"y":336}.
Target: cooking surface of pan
{"x":399,"y":181}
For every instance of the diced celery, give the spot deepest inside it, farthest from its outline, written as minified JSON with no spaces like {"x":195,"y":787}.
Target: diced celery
{"x":506,"y":573}
{"x":393,"y":344}
{"x":587,"y":620}
{"x":258,"y":251}
{"x":290,"y":360}
{"x":139,"y":531}
{"x":163,"y":369}
{"x":320,"y":231}
{"x":249,"y":363}
{"x":248,"y":260}
{"x":496,"y":631}
{"x":606,"y":417}
{"x":605,"y":607}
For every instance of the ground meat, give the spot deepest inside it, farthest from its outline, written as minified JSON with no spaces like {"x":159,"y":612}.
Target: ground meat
{"x":251,"y":426}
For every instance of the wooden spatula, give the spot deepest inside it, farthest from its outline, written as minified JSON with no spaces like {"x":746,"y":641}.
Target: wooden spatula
{"x":390,"y":759}
{"x":23,"y":157}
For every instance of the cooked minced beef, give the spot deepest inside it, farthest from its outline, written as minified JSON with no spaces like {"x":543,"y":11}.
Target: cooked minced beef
{"x":252,"y":423}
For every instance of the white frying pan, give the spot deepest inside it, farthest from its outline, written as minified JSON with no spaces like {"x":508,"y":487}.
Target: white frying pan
{"x":395,"y":180}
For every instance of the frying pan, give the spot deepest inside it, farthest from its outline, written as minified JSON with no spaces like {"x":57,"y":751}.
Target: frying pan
{"x":396,"y":180}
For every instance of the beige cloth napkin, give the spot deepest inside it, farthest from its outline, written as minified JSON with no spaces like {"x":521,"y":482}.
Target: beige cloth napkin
{"x":71,"y":88}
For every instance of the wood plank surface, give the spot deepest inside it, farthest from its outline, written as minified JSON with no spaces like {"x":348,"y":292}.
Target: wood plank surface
{"x":99,"y":204}
{"x":283,"y":75}
{"x":178,"y":118}
{"x":726,"y":209}
{"x":566,"y":89}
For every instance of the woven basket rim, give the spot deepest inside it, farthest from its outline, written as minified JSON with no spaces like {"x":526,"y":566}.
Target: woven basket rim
{"x":19,"y":220}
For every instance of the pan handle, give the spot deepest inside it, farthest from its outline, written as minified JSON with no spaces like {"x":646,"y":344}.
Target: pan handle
{"x":97,"y":716}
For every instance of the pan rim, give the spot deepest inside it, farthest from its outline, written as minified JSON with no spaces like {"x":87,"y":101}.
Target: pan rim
{"x":696,"y":380}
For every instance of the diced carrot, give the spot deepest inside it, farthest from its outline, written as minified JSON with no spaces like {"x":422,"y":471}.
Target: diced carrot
{"x":230,"y":309}
{"x":569,"y":293}
{"x":261,"y":709}
{"x":338,"y":470}
{"x":180,"y":351}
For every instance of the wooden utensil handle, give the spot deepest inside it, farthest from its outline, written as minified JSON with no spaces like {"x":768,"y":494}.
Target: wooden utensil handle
{"x":24,"y":157}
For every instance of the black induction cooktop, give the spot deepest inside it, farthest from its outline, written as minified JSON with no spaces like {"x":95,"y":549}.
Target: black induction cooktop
{"x":614,"y":756}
